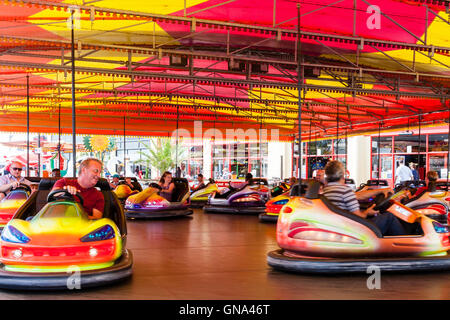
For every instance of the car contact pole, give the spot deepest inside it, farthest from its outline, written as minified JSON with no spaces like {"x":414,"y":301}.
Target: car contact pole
{"x":74,"y":136}
{"x":124,"y":148}
{"x":448,"y":144}
{"x":299,"y":88}
{"x":379,"y":149}
{"x":176,"y":147}
{"x":420,"y":145}
{"x":59,"y":136}
{"x":260,"y":157}
{"x":28,"y":125}
{"x":346,"y":152}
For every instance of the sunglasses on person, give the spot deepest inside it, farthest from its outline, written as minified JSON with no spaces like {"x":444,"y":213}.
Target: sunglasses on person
{"x":17,"y":169}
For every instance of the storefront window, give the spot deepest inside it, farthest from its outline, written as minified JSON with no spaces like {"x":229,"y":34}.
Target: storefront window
{"x":437,"y":163}
{"x":296,"y":148}
{"x":339,"y":146}
{"x":237,"y":159}
{"x":385,"y":144}
{"x":195,"y":167}
{"x":438,"y":142}
{"x":196,"y":152}
{"x":323,"y":147}
{"x":219,"y":150}
{"x":375,"y":167}
{"x":386,"y":167}
{"x":409,"y":144}
{"x":255,"y":167}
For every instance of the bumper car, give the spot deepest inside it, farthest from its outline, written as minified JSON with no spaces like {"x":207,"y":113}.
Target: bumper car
{"x":280,"y":189}
{"x":248,"y":199}
{"x":433,"y":202}
{"x":148,"y":204}
{"x":317,"y":237}
{"x":273,"y":206}
{"x":373,"y":184}
{"x":12,"y":202}
{"x":52,"y":244}
{"x":123,"y":191}
{"x":200,"y":196}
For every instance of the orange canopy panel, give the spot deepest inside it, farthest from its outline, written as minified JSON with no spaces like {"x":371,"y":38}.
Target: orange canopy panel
{"x":148,"y":67}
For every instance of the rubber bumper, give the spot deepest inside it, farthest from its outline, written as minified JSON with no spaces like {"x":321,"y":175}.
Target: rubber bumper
{"x":134,"y":214}
{"x":264,"y":217}
{"x":198,"y":203}
{"x":121,"y":270}
{"x":233,"y":210}
{"x":278,"y":261}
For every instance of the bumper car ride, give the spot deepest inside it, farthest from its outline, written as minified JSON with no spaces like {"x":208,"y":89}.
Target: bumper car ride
{"x":317,"y":237}
{"x":200,"y":197}
{"x":249,"y":199}
{"x":148,"y":204}
{"x":61,"y":248}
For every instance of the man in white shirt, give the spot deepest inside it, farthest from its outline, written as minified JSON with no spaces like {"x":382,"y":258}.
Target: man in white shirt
{"x":403,"y":173}
{"x":13,"y":179}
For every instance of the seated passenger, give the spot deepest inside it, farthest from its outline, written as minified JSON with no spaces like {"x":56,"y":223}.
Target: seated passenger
{"x":56,"y":173}
{"x":115,"y":181}
{"x":430,"y":179}
{"x":167,"y":186}
{"x":344,"y":197}
{"x":88,"y":176}
{"x":201,"y":183}
{"x":13,"y":179}
{"x":130,"y":184}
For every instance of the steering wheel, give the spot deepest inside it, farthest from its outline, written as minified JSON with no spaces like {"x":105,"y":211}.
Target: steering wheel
{"x":66,"y":195}
{"x":362,"y":185}
{"x":155,"y":185}
{"x":23,"y":186}
{"x":383,"y":203}
{"x":399,"y":186}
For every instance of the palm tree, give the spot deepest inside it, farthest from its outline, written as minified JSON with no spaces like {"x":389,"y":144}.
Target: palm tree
{"x":161,"y":154}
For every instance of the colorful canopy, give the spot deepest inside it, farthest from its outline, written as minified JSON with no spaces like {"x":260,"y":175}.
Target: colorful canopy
{"x":146,"y":67}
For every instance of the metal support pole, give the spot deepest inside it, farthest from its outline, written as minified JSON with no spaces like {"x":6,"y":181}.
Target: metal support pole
{"x":274,"y":13}
{"x":74,"y":135}
{"x":176,"y":148}
{"x":354,"y":18}
{"x":299,"y":88}
{"x":337,"y":131}
{"x":420,"y":143}
{"x":346,"y":150}
{"x":260,"y":157}
{"x":448,"y":145}
{"x":59,"y":137}
{"x":124,"y":147}
{"x":379,"y":150}
{"x":39,"y":155}
{"x":28,"y":125}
